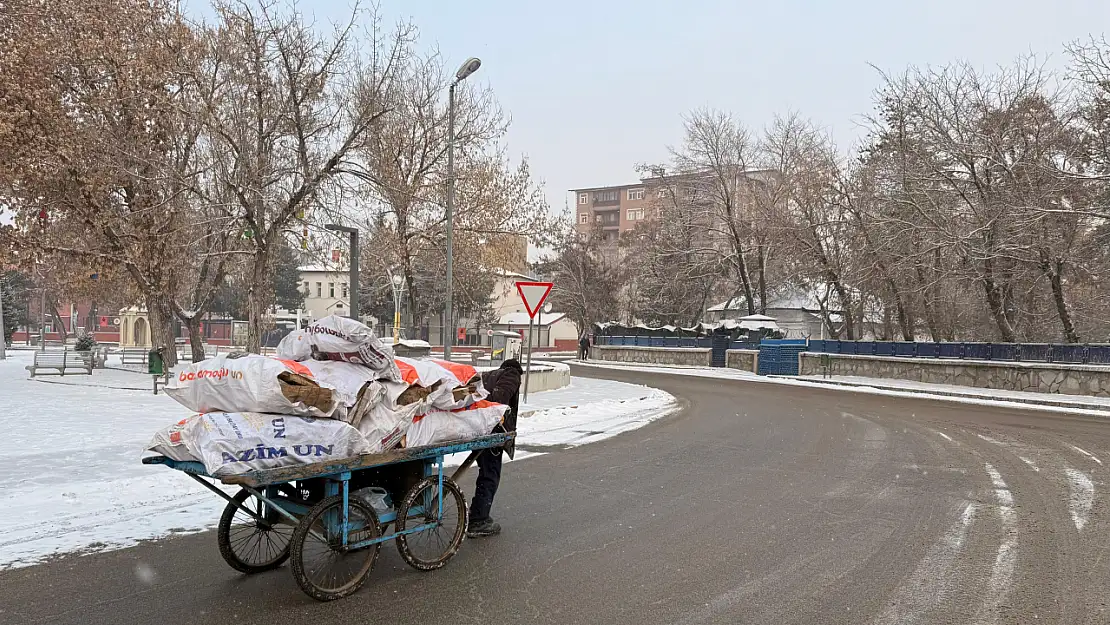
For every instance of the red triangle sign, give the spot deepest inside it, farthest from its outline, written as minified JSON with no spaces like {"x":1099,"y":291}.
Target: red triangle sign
{"x":533,"y":294}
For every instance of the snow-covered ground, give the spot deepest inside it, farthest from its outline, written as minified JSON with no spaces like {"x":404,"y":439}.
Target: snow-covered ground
{"x":72,"y":480}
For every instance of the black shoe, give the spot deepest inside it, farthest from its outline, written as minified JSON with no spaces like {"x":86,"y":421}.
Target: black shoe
{"x":477,"y":529}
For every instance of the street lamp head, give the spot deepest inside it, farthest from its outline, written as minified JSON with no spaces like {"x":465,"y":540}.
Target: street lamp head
{"x":469,"y":67}
{"x":339,"y":228}
{"x":397,"y":279}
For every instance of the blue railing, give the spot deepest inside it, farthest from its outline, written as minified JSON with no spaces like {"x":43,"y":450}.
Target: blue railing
{"x":705,"y":342}
{"x":1019,"y":352}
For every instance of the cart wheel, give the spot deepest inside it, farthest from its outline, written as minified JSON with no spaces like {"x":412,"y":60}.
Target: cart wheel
{"x":248,"y":545}
{"x":322,"y":566}
{"x":430,"y":549}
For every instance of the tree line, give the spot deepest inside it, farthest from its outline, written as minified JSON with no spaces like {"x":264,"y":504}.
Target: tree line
{"x":182,"y":161}
{"x":976,"y":208}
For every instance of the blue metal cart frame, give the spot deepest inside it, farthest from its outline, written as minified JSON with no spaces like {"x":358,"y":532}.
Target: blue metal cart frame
{"x":315,"y":501}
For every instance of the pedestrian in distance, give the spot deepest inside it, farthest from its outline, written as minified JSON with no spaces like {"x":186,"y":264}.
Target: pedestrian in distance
{"x":503,"y":385}
{"x":584,"y":347}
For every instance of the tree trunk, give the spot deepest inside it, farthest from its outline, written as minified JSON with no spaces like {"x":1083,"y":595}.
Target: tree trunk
{"x":997,"y":308}
{"x":845,"y":305}
{"x":196,"y":341}
{"x":1053,"y":269}
{"x":258,"y":298}
{"x":161,"y":329}
{"x":762,"y":278}
{"x":59,"y":325}
{"x":927,"y":304}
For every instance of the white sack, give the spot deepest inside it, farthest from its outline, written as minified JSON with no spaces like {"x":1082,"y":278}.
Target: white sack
{"x":251,"y":383}
{"x":384,"y":427}
{"x":342,"y":338}
{"x":297,"y":345}
{"x":231,"y":443}
{"x":445,"y":377}
{"x":440,"y":426}
{"x":347,"y":378}
{"x":170,"y":442}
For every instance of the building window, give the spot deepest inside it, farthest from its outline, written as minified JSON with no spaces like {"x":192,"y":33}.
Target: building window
{"x":634,"y":214}
{"x":605,"y":196}
{"x":583,"y":198}
{"x":306,"y":291}
{"x":635,"y":194}
{"x":661,"y":193}
{"x":599,"y":218}
{"x":344,"y":287}
{"x":319,"y":289}
{"x":583,"y":218}
{"x":331,"y":289}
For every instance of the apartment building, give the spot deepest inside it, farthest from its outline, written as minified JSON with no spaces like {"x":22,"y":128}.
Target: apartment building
{"x":613,"y":210}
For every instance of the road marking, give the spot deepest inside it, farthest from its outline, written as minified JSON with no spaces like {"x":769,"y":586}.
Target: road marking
{"x":1031,"y":464}
{"x":1002,"y":572}
{"x":1086,"y":453}
{"x":931,"y":581}
{"x":1082,"y":497}
{"x":945,"y":437}
{"x":991,"y":440}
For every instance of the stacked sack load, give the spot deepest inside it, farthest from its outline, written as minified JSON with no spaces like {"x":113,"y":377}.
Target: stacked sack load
{"x":334,"y":391}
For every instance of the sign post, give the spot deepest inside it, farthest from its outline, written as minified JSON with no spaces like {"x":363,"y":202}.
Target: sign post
{"x":532,"y":294}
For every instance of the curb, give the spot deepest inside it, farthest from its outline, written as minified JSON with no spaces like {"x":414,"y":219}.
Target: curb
{"x":1072,"y":405}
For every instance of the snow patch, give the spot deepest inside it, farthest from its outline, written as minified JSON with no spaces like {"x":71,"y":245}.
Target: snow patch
{"x":1082,"y":497}
{"x":1002,"y":571}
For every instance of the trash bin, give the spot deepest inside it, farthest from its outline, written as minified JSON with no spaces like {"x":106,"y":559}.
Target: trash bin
{"x":154,"y":364}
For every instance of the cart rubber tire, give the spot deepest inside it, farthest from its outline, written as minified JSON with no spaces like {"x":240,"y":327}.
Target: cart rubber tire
{"x":451,"y":491}
{"x":302,"y":533}
{"x":227,"y":548}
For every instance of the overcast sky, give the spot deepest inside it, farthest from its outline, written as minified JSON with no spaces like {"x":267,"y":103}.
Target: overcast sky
{"x":595,"y":87}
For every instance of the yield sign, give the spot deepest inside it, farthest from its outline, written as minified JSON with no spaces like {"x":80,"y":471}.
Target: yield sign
{"x":533,"y":294}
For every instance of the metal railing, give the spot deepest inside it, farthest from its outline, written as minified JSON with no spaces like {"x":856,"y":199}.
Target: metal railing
{"x":1010,"y":352}
{"x":704,"y":342}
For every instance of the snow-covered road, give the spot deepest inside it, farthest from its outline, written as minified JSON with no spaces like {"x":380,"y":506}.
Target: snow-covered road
{"x":71,"y":480}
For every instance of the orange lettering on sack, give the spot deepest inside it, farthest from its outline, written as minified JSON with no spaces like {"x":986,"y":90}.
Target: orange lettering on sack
{"x":296,"y":367}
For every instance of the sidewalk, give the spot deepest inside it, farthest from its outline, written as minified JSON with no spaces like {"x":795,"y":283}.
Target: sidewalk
{"x":1083,"y":402}
{"x":1099,"y":406}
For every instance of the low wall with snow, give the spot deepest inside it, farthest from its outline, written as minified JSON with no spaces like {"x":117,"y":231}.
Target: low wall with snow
{"x":743,"y":359}
{"x":548,"y":376}
{"x":682,"y":356}
{"x":1036,"y":377}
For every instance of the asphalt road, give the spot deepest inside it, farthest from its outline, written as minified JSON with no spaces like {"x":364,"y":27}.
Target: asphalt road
{"x":757,"y":503}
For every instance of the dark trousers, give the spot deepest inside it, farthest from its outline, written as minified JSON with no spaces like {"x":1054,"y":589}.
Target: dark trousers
{"x":489,"y":476}
{"x":584,"y":353}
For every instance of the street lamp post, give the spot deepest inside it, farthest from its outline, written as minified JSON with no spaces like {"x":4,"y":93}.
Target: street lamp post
{"x":3,"y":336}
{"x":469,"y":67}
{"x":398,"y":283}
{"x":353,"y":290}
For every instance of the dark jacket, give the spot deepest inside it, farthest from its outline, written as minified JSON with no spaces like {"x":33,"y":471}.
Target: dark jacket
{"x":503,"y":385}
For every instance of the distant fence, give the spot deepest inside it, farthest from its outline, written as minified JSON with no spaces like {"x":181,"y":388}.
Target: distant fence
{"x":1011,"y":352}
{"x":705,"y":342}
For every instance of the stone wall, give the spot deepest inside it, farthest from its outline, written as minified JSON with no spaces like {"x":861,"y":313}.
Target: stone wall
{"x":548,"y":376}
{"x":744,"y":359}
{"x":1036,"y":377}
{"x":682,"y":356}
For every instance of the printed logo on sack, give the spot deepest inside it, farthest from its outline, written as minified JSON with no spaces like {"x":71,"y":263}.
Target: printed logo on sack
{"x":218,"y":374}
{"x":262,"y":452}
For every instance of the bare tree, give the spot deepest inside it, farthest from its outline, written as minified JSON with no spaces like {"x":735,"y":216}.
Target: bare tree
{"x":286,"y":110}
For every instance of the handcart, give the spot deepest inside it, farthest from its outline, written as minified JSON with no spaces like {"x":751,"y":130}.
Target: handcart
{"x":313,"y":513}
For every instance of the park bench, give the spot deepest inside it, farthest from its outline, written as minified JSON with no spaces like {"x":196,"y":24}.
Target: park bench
{"x":133,"y":356}
{"x":58,"y":363}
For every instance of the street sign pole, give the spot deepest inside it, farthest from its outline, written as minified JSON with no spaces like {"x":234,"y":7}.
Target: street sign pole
{"x":528,"y":365}
{"x":532,"y":294}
